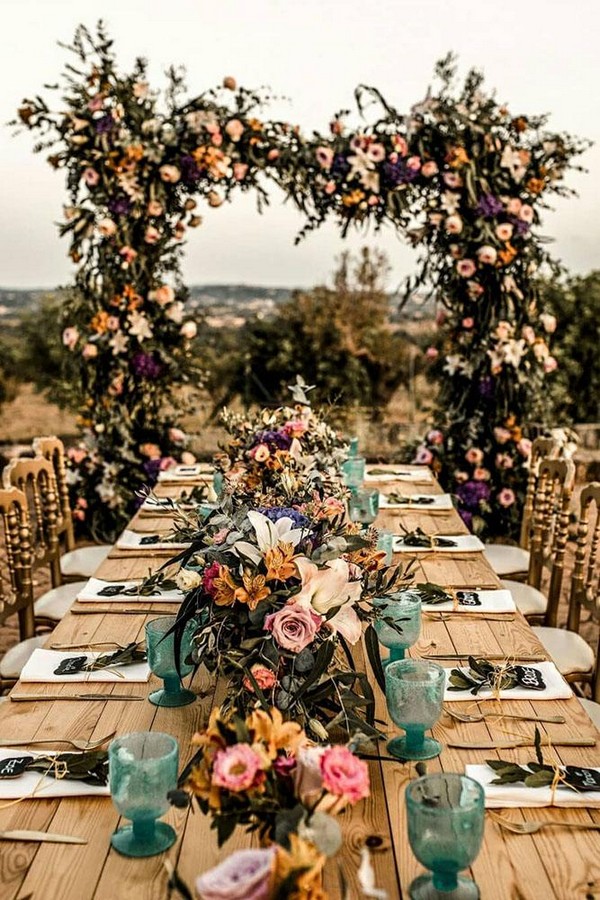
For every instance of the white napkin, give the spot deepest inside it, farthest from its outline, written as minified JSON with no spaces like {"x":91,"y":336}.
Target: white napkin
{"x":462,"y":543}
{"x":440,"y":501}
{"x":41,"y":665}
{"x":491,"y":601}
{"x":556,"y":687}
{"x":517,"y":795}
{"x":34,"y":784}
{"x":184,"y":473}
{"x":132,"y":540}
{"x":90,"y":593}
{"x":411,"y":475}
{"x":157,"y":505}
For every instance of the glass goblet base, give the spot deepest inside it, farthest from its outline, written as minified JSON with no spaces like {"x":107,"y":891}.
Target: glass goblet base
{"x":128,"y":842}
{"x":403,"y":748}
{"x":163,"y":697}
{"x":423,"y":888}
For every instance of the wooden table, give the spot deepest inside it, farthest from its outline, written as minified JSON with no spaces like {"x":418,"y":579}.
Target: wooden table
{"x":556,"y":863}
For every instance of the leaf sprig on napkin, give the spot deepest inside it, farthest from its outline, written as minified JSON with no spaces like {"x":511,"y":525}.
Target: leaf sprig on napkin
{"x":154,"y":584}
{"x":418,"y":538}
{"x":539,"y":774}
{"x":505,"y":677}
{"x":127,"y":656}
{"x":90,"y":767}
{"x":409,"y":501}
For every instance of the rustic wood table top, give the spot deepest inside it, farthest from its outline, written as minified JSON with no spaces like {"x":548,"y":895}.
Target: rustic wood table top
{"x":554,"y":863}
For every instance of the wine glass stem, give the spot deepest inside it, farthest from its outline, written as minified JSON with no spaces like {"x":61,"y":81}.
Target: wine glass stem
{"x":445,"y":881}
{"x":397,"y":653}
{"x":143,"y":829}
{"x":172,"y":684}
{"x":415,"y":738}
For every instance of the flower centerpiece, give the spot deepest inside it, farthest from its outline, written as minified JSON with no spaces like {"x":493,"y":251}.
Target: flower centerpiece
{"x":279,"y":599}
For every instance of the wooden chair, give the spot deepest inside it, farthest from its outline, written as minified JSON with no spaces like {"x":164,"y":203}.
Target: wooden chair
{"x":572,"y":654}
{"x":35,"y":479}
{"x":75,"y":562}
{"x":509,"y":559}
{"x":548,"y":541}
{"x":16,"y":585}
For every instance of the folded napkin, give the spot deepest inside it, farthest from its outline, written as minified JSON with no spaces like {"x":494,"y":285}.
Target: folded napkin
{"x":516,"y":795}
{"x":439,"y":501}
{"x":556,"y":687}
{"x":411,"y":475}
{"x":35,"y":784}
{"x":41,"y":665}
{"x":90,"y":593}
{"x":157,"y":505}
{"x":134,"y":540}
{"x":491,"y":601}
{"x":184,"y":473}
{"x":462,"y":543}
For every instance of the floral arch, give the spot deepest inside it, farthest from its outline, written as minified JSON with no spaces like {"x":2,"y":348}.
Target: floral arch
{"x":460,"y":176}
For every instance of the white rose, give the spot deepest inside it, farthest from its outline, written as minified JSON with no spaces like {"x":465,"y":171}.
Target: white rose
{"x":189,"y":330}
{"x":187,"y":580}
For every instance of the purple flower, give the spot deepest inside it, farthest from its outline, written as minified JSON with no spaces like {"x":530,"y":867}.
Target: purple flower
{"x":489,"y":206}
{"x":120,"y":206}
{"x":339,"y":167}
{"x":273,"y":439}
{"x":521,"y":227}
{"x":398,"y":173}
{"x":152,"y":468}
{"x":486,"y":387}
{"x":472,"y":493}
{"x":467,"y":518}
{"x":190,"y":173}
{"x":274,"y":513}
{"x":104,"y":124}
{"x":146,"y":365}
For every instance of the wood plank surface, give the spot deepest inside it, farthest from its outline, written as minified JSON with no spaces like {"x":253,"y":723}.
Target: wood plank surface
{"x":556,"y":863}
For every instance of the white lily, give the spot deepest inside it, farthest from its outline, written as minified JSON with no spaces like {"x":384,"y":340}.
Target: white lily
{"x":268,"y":535}
{"x":324,"y":589}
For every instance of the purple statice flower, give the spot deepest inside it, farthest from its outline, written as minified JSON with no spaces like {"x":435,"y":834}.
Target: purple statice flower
{"x":339,"y":167}
{"x":471,"y":494}
{"x":274,"y":513}
{"x":190,"y":173}
{"x":395,"y":173}
{"x":146,"y":365}
{"x":152,"y":467}
{"x":489,"y":206}
{"x":486,"y":387}
{"x":273,"y":439}
{"x":120,"y":206}
{"x":104,"y":124}
{"x":520,"y":227}
{"x":467,"y":518}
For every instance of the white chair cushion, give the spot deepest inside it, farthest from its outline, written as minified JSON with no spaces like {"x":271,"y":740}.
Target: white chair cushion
{"x":506,"y":559}
{"x":14,"y":659}
{"x":529,"y":600}
{"x":55,"y":603}
{"x":592,"y":709}
{"x":84,"y":561}
{"x":572,"y":655}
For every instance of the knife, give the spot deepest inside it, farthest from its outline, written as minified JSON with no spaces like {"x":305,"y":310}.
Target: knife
{"x":526,"y":742}
{"x":503,"y":656}
{"x":41,"y":836}
{"x":20,"y":698}
{"x":122,"y":612}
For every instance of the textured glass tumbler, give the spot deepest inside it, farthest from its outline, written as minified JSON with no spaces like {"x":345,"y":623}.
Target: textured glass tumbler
{"x":142,"y":769}
{"x":161,"y":659}
{"x":364,"y":506}
{"x":404,"y":609}
{"x":218,"y":483}
{"x":445,"y":829}
{"x":385,"y":542}
{"x":414,"y":692}
{"x":353,"y":471}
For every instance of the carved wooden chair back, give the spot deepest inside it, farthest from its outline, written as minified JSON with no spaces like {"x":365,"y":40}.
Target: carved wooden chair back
{"x":550,"y":528}
{"x":35,"y":478}
{"x":541,"y":448}
{"x":585,"y":582}
{"x":53,"y":449}
{"x":16,"y":585}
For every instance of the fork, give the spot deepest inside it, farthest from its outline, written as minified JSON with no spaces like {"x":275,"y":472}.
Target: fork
{"x":481,"y":717}
{"x":533,"y":827}
{"x":78,"y":745}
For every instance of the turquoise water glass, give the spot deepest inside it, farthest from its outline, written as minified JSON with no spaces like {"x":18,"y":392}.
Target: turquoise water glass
{"x":414,"y":691}
{"x":353,"y":471}
{"x":142,"y":769}
{"x":404,"y":611}
{"x":364,"y":506}
{"x":385,"y":542}
{"x":160,"y":647}
{"x":445,"y":829}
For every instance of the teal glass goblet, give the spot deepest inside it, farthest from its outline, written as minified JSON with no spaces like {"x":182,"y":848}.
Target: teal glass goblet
{"x":160,"y":647}
{"x":218,"y":483}
{"x":414,"y":691}
{"x":142,"y":769}
{"x":364,"y":506}
{"x":353,"y":471}
{"x":385,"y":542}
{"x":445,"y":829}
{"x":398,"y":622}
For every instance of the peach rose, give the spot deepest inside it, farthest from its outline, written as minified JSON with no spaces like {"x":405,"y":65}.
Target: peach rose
{"x":107,"y":227}
{"x":152,"y":235}
{"x":170,"y":174}
{"x":487,"y":255}
{"x":154,"y":208}
{"x":474,"y":456}
{"x":453,"y":225}
{"x":294,"y":627}
{"x":240,"y":171}
{"x":504,"y":231}
{"x":234,"y":129}
{"x":189,"y":330}
{"x":466,"y":268}
{"x":429,"y":169}
{"x":162,"y":295}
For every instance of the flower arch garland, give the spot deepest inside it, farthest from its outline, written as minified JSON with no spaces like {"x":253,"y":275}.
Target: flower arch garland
{"x":459,"y":176}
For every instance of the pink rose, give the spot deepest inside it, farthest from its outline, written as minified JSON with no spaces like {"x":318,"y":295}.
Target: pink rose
{"x":324,"y":157}
{"x":273,"y":154}
{"x":344,"y":775}
{"x":240,"y":170}
{"x":154,"y":208}
{"x":76,"y":455}
{"x":526,"y":213}
{"x":474,"y":456}
{"x":170,"y":174}
{"x":550,"y":364}
{"x":162,"y":295}
{"x":423,"y":456}
{"x":506,"y":497}
{"x":294,"y":627}
{"x":376,"y":152}
{"x":436,"y":219}
{"x":468,"y":322}
{"x":524,"y":447}
{"x":152,"y":235}
{"x":399,"y":144}
{"x":234,"y":129}
{"x":504,"y":231}
{"x":453,"y":225}
{"x":413,"y":163}
{"x":264,"y":677}
{"x":435,"y":436}
{"x":504,"y":461}
{"x":452,"y":180}
{"x":461,"y":477}
{"x":237,"y":768}
{"x":513,"y":206}
{"x":128,"y":254}
{"x":466,"y":268}
{"x":91,"y":177}
{"x":70,"y":337}
{"x":481,"y":474}
{"x":502,"y":435}
{"x":245,"y":875}
{"x":432,"y":353}
{"x":487,"y":255}
{"x":429,"y":169}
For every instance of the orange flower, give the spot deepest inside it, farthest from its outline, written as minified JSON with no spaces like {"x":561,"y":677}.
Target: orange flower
{"x":535,"y":185}
{"x":507,"y":255}
{"x":270,"y":730}
{"x":213,"y":159}
{"x":280,"y":562}
{"x":133,"y":298}
{"x":457,"y":157}
{"x":353,"y":198}
{"x":255,"y":124}
{"x":99,"y":323}
{"x":225,"y":587}
{"x":305,"y":863}
{"x":134,"y":152}
{"x":520,"y":123}
{"x":252,"y":591}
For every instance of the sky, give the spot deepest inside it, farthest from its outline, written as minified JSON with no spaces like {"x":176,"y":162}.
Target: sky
{"x":539,"y":55}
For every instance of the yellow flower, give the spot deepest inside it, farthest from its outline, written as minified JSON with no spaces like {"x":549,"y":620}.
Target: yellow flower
{"x":305,"y":863}
{"x":457,"y":157}
{"x":280,"y":562}
{"x":253,"y":590}
{"x":270,"y":729}
{"x":99,"y":323}
{"x":353,"y":198}
{"x":225,"y":587}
